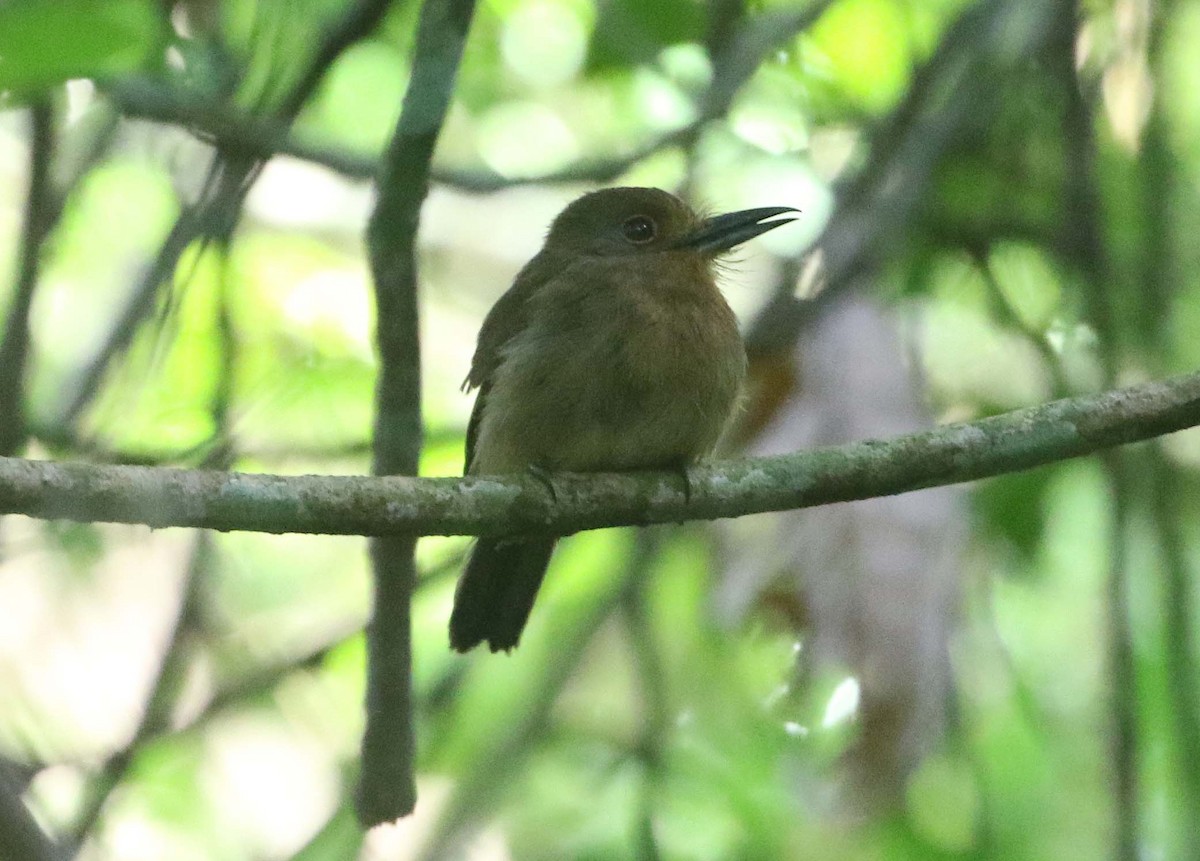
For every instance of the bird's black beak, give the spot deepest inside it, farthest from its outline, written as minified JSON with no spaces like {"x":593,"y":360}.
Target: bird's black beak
{"x":722,"y":232}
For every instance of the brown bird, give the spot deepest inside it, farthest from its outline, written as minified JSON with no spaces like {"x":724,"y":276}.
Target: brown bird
{"x":613,"y":350}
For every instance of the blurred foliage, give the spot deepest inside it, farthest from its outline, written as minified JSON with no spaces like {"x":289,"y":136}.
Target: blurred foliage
{"x":680,"y":693}
{"x":43,"y":44}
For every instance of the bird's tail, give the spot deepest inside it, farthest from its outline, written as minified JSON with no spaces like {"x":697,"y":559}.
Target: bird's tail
{"x":496,"y":592}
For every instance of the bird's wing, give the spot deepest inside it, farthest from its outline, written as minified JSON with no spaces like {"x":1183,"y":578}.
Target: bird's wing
{"x":508,"y":318}
{"x":473,"y":424}
{"x":505,"y":320}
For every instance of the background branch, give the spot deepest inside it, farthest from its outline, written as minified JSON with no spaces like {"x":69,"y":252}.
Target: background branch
{"x":20,"y":836}
{"x":387,"y":788}
{"x":1160,"y":180}
{"x":1084,"y":243}
{"x":164,"y":691}
{"x":39,"y":218}
{"x":231,"y":127}
{"x":231,"y":175}
{"x":518,"y":729}
{"x":172,"y":666}
{"x":738,"y":53}
{"x":876,"y":207}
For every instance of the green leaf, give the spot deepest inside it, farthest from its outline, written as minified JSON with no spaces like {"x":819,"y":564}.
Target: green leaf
{"x":340,"y":837}
{"x":866,"y":45}
{"x":46,"y":42}
{"x":631,"y":33}
{"x":1011,"y":510}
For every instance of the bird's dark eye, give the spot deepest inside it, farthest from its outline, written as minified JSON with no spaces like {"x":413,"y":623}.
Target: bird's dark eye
{"x":640,"y":229}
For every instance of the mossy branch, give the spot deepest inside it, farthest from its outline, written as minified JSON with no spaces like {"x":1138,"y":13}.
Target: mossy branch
{"x":494,"y":505}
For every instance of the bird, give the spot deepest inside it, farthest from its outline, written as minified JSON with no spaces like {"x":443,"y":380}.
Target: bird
{"x":613,"y":350}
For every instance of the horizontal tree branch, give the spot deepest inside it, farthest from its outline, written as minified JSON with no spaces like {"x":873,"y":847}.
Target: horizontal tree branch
{"x":952,"y":93}
{"x":235,"y":129}
{"x":232,"y":127}
{"x":497,"y":505}
{"x":264,"y":137}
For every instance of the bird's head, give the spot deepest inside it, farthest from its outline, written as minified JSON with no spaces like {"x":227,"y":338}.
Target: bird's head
{"x":630,"y":221}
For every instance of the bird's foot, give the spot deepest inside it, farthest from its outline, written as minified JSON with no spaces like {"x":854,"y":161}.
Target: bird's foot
{"x":683,"y":470}
{"x":545,"y":478}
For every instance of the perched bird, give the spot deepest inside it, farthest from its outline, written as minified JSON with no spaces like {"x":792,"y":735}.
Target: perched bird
{"x":613,"y":350}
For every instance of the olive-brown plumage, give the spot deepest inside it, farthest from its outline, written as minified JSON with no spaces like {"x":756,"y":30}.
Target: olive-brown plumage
{"x":613,"y":350}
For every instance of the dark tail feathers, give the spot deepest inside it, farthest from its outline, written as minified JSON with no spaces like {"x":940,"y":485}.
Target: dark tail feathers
{"x":497,"y":591}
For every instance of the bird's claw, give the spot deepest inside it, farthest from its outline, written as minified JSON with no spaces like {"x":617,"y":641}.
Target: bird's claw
{"x":545,"y":478}
{"x":686,"y":476}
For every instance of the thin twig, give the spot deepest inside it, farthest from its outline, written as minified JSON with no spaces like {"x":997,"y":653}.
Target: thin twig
{"x":1179,"y":647}
{"x":140,"y":303}
{"x":738,"y":52}
{"x":876,"y":207}
{"x":226,"y":125}
{"x":164,"y":689}
{"x":239,"y":691}
{"x":1083,"y":238}
{"x":738,"y":56}
{"x":252,"y":685}
{"x":60,"y":439}
{"x":235,"y":171}
{"x":1160,"y":262}
{"x":1159,"y":200}
{"x":14,"y":349}
{"x":1121,"y":665}
{"x":387,"y":787}
{"x":232,"y":128}
{"x":21,"y":838}
{"x":516,"y":731}
{"x":656,"y":716}
{"x":1003,"y":308}
{"x":93,"y":138}
{"x":358,"y":22}
{"x":261,"y":680}
{"x":163,"y":694}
